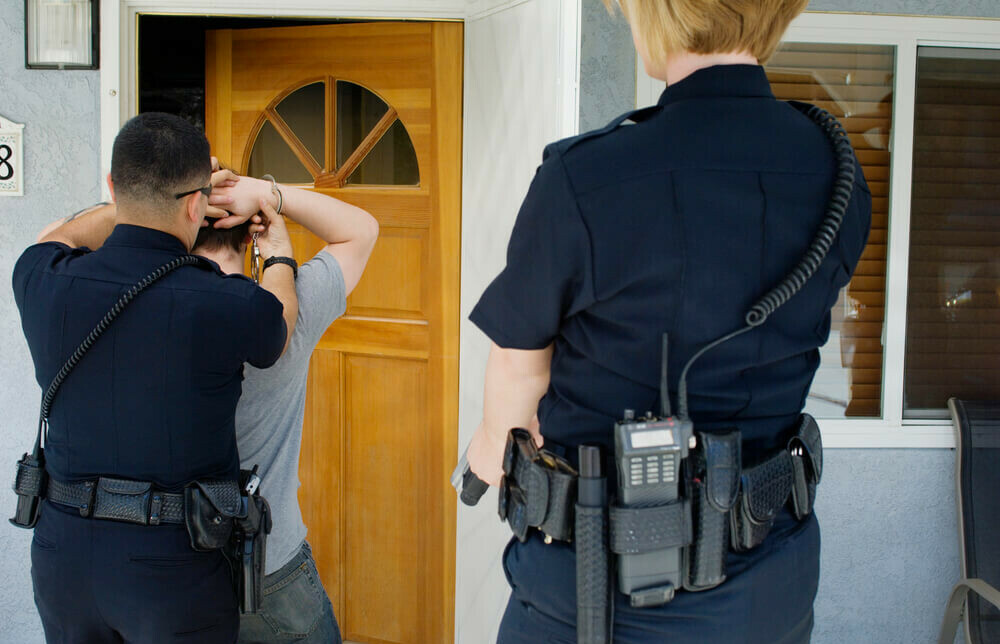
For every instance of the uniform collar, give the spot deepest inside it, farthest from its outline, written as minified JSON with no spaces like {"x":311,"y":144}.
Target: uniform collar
{"x":141,"y":237}
{"x":720,"y":81}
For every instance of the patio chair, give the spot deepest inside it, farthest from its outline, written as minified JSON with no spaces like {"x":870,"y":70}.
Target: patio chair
{"x":977,"y":474}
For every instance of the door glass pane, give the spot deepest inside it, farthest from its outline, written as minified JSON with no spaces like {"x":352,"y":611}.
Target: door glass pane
{"x":271,"y":155}
{"x":854,"y":83}
{"x":358,"y":110}
{"x":953,"y":301}
{"x":392,"y":162}
{"x":304,"y":110}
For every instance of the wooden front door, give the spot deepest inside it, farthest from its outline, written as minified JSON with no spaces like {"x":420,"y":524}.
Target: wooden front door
{"x":371,"y":114}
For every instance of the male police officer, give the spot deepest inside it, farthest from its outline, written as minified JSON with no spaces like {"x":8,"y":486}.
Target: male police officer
{"x":270,"y":413}
{"x":152,"y":403}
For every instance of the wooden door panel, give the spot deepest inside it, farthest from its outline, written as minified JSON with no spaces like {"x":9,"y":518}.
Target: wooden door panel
{"x":382,"y":402}
{"x":322,"y":456}
{"x":386,"y":408}
{"x":393,"y":284}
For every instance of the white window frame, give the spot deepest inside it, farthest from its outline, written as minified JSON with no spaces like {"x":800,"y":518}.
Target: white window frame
{"x":905,"y":33}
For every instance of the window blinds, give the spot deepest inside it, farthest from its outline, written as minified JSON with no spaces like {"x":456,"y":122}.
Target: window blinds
{"x":854,"y":83}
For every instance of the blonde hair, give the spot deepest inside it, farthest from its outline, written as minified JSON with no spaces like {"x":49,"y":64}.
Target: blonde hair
{"x":709,"y":26}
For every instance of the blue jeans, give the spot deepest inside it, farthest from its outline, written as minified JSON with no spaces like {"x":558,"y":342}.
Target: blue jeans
{"x":295,"y":607}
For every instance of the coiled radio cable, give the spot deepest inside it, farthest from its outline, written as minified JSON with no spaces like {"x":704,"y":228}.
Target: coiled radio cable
{"x":825,"y":236}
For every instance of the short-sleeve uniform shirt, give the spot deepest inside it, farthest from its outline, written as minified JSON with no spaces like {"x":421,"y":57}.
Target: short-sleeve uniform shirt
{"x":155,"y":398}
{"x":677,"y":224}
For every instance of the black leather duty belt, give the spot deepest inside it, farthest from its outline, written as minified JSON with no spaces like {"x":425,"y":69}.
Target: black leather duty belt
{"x":539,"y":491}
{"x":119,"y":500}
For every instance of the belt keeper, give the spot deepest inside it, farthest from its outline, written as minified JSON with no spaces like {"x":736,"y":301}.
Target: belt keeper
{"x":154,"y":509}
{"x":86,"y":509}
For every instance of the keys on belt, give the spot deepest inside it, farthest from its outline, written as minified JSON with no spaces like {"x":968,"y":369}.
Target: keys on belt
{"x":119,"y":500}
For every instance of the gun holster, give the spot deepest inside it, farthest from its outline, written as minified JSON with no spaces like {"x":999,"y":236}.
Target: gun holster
{"x":248,"y":553}
{"x":219,"y":516}
{"x":538,"y":489}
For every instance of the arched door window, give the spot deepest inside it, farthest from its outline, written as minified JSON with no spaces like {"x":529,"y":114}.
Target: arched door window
{"x":330,"y":139}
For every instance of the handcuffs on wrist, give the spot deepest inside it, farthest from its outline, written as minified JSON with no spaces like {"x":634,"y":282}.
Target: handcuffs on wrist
{"x":256,"y":268}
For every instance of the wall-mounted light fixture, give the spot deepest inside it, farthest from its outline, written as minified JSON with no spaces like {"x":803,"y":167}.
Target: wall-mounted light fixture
{"x":61,"y":34}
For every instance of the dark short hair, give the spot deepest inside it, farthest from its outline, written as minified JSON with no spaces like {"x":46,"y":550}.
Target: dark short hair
{"x":157,"y":155}
{"x":212,"y":238}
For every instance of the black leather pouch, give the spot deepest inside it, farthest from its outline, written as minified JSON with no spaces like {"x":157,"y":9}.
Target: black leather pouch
{"x":29,"y":485}
{"x":764,"y":489}
{"x":209,"y":510}
{"x":122,"y":500}
{"x":538,"y":489}
{"x":714,"y":493}
{"x":806,"y":450}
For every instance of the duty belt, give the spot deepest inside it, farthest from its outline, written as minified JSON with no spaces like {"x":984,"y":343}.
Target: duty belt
{"x":119,"y":500}
{"x":727,"y":506}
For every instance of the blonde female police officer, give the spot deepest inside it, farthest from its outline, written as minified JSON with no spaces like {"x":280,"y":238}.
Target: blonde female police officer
{"x":676,"y":223}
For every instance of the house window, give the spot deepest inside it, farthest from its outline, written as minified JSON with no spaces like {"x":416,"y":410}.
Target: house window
{"x":370,"y":144}
{"x":953,"y":300}
{"x":920,"y":320}
{"x":854,"y":83}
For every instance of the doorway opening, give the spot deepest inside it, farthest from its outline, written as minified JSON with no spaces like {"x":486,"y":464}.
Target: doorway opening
{"x":369,"y":112}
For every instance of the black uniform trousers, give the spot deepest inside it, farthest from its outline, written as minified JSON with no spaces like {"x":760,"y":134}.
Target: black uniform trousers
{"x":767,"y":598}
{"x":100,"y":582}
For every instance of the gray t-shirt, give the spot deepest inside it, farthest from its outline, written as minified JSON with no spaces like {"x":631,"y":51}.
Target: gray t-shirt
{"x":270,"y":412}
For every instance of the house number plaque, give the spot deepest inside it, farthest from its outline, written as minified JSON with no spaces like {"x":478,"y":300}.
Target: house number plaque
{"x":11,"y":158}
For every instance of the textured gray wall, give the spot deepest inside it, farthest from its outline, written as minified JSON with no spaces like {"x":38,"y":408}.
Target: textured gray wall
{"x":62,"y":173}
{"x":607,"y":66}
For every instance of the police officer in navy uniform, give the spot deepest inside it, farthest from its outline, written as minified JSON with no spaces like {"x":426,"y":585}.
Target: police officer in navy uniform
{"x":673,"y":219}
{"x":153,"y":400}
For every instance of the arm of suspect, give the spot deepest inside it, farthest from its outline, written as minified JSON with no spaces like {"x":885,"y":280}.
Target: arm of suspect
{"x":278,"y":279}
{"x":515,"y":381}
{"x":349,"y":231}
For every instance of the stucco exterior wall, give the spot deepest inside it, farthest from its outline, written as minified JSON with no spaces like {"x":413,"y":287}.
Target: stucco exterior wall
{"x":61,"y":158}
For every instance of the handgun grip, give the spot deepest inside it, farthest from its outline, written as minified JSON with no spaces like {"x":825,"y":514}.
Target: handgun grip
{"x":473,"y":487}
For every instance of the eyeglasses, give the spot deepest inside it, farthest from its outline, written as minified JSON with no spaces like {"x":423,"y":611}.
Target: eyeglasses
{"x":207,"y":191}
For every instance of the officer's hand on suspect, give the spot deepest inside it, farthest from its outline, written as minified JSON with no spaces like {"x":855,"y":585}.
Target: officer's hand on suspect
{"x":220,"y":179}
{"x":241,"y":200}
{"x":273,"y":238}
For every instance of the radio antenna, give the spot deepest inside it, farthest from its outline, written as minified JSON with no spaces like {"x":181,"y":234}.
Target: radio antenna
{"x":664,"y":386}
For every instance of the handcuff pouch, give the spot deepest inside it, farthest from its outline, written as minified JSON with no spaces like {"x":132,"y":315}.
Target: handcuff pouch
{"x":764,"y":489}
{"x":210,"y":508}
{"x":714,"y":491}
{"x":122,"y":500}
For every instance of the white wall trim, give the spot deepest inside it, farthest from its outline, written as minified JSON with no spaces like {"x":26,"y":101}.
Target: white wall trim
{"x":880,"y":434}
{"x":569,"y":67}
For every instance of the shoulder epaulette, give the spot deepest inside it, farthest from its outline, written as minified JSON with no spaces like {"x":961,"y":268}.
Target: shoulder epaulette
{"x":635,"y":116}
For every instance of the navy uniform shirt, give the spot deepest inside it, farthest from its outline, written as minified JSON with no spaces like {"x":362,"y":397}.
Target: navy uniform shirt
{"x":155,"y":398}
{"x":677,"y":224}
